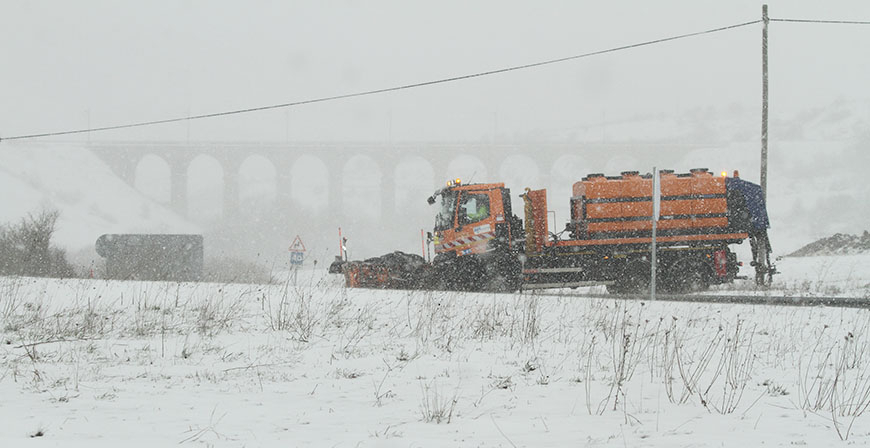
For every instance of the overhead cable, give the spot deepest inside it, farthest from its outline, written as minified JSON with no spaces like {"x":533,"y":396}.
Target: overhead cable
{"x":837,"y":22}
{"x":384,"y":90}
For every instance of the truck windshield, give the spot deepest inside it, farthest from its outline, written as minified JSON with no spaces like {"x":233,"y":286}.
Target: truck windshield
{"x":444,"y":219}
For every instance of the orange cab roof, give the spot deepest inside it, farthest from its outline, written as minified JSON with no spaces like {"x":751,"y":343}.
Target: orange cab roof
{"x":466,"y":187}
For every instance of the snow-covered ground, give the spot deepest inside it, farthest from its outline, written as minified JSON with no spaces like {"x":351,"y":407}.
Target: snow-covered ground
{"x":830,"y":276}
{"x":310,"y":363}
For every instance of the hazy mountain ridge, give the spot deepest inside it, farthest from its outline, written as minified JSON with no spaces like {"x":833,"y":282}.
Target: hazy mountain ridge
{"x":841,"y":119}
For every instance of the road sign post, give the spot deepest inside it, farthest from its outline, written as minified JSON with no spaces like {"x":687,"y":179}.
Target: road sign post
{"x":297,"y":252}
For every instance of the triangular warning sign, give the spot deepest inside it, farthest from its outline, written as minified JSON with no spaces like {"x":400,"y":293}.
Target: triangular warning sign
{"x":297,"y":245}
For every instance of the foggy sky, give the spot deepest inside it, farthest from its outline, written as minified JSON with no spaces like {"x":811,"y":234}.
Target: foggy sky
{"x":110,"y":62}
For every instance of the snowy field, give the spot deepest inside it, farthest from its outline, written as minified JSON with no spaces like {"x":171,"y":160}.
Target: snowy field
{"x":828,"y":276}
{"x":99,"y":363}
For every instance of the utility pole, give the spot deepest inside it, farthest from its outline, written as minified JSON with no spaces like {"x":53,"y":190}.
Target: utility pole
{"x":764,"y":112}
{"x":656,"y":210}
{"x":88,"y":113}
{"x":390,"y":127}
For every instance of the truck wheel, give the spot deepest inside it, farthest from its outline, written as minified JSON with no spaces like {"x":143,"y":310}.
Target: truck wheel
{"x":633,"y":279}
{"x":466,"y":274}
{"x":445,"y":274}
{"x":503,"y":275}
{"x":686,"y":276}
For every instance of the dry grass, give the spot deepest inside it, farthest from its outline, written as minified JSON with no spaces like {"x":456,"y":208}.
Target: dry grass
{"x":700,"y":356}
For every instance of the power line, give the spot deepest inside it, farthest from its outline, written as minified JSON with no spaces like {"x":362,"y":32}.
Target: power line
{"x":838,"y":22}
{"x":389,"y":89}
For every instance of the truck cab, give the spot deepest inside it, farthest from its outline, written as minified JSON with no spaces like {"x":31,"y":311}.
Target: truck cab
{"x":472,"y":218}
{"x":477,"y":238}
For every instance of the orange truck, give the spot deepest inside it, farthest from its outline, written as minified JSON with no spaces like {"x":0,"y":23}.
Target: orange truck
{"x":481,"y":245}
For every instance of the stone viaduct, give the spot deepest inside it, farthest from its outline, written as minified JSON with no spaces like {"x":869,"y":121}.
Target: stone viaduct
{"x":124,"y":157}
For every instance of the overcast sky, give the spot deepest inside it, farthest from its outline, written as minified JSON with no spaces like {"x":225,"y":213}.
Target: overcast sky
{"x":115,"y":62}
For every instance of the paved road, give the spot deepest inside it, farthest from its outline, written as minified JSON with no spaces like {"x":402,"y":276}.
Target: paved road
{"x":843,"y":302}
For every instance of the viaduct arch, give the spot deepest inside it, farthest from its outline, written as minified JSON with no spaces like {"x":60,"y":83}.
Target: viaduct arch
{"x":541,"y":161}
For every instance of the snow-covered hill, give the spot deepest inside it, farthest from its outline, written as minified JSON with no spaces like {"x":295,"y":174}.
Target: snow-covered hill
{"x":91,"y":199}
{"x":839,"y":243}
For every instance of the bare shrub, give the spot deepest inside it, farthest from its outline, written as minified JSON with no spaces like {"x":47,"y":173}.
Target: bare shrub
{"x":667,"y":359}
{"x":29,"y":319}
{"x":348,"y":374}
{"x":837,"y":382}
{"x":10,"y":298}
{"x":218,"y":313}
{"x":201,"y":433}
{"x":26,"y":249}
{"x":735,"y":365}
{"x":730,"y":374}
{"x":774,"y":389}
{"x":147,"y":320}
{"x":622,"y":343}
{"x":531,"y":325}
{"x":85,"y":322}
{"x":303,"y":315}
{"x":434,"y":406}
{"x":436,"y":320}
{"x":489,"y":320}
{"x":305,"y":311}
{"x":378,"y":387}
{"x":850,"y":395}
{"x":814,"y":388}
{"x":588,"y":354}
{"x":277,"y":313}
{"x":628,"y":341}
{"x":355,"y":328}
{"x":691,"y":365}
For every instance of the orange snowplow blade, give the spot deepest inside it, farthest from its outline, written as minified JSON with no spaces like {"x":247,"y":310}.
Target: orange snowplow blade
{"x":390,"y":271}
{"x":363,"y":275}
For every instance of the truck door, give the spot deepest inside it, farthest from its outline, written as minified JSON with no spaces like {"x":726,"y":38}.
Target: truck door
{"x":475,"y":224}
{"x":445,"y":222}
